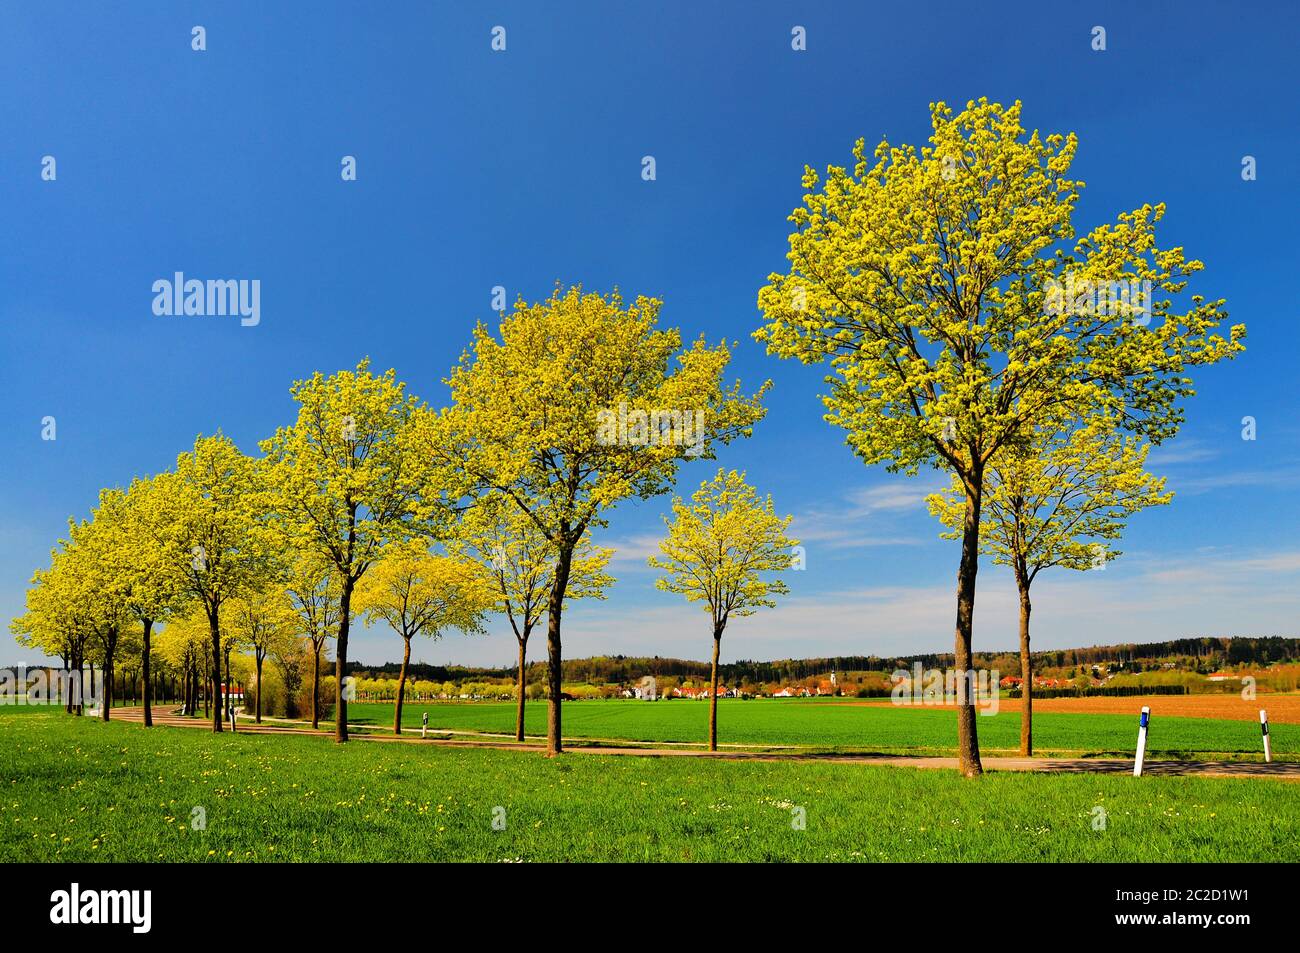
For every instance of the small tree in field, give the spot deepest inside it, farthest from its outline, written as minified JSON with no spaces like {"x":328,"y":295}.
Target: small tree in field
{"x":721,"y":550}
{"x":938,"y":284}
{"x":583,"y":402}
{"x":519,"y":562}
{"x":55,"y":624}
{"x":1057,"y":501}
{"x":259,"y":621}
{"x":314,"y":592}
{"x":416,"y":592}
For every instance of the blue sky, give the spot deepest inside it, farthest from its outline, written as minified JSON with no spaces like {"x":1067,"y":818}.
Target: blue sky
{"x":478,"y":168}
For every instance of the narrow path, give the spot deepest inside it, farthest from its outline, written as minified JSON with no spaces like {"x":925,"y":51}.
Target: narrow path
{"x":1285,"y":770}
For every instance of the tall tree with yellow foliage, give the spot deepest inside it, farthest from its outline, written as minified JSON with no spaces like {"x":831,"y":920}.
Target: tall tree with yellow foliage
{"x":147,"y":559}
{"x":347,"y":483}
{"x":939,"y":284}
{"x":581,"y":402}
{"x":221,"y":522}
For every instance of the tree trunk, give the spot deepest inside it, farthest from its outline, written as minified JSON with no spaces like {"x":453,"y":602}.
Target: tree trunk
{"x":713,"y":691}
{"x":148,"y":685}
{"x":315,"y":688}
{"x":554,"y":660}
{"x":401,"y":686}
{"x":341,"y":662}
{"x":523,"y":686}
{"x":107,"y":668}
{"x":968,"y":747}
{"x":214,"y":629}
{"x":260,"y":658}
{"x":1026,"y":673}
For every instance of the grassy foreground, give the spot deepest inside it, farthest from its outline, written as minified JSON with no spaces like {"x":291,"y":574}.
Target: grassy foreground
{"x":78,"y":790}
{"x":846,"y":725}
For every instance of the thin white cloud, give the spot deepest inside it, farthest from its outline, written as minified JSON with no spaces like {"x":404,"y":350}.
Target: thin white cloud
{"x":1280,"y":477}
{"x":865,"y":517}
{"x":633,"y":551}
{"x":1181,"y":452}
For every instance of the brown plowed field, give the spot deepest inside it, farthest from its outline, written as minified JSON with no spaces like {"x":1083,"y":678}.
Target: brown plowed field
{"x":1281,"y":708}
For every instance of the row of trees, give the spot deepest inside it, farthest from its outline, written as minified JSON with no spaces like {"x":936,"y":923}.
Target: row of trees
{"x":929,"y":279}
{"x":373,"y":504}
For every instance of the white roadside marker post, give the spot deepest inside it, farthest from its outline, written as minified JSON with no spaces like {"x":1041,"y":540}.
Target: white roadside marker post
{"x":1142,"y":741}
{"x":424,"y":724}
{"x":1263,"y":726}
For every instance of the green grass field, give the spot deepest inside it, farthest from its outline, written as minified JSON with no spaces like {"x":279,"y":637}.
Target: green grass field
{"x":836,"y":724}
{"x":77,"y":789}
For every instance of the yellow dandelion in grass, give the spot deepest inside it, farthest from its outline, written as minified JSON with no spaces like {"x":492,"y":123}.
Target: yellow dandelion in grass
{"x":211,"y":852}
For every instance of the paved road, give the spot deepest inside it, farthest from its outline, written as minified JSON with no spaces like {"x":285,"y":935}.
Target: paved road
{"x":1286,"y":770}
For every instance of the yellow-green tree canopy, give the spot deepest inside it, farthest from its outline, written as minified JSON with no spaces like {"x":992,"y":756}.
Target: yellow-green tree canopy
{"x":536,"y":414}
{"x":185,"y":638}
{"x":723,"y":548}
{"x":938,"y":284}
{"x":417,"y":592}
{"x":147,"y":555}
{"x":53,"y":623}
{"x":257,"y":619}
{"x":344,"y":477}
{"x":219,"y":521}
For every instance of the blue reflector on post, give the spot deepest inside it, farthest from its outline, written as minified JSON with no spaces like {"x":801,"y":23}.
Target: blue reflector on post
{"x":1142,"y":723}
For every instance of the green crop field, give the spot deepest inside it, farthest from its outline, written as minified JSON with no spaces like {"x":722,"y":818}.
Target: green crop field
{"x":77,"y":789}
{"x":843,"y":725}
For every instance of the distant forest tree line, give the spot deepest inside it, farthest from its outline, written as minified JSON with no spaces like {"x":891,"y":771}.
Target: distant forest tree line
{"x":1208,"y":652}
